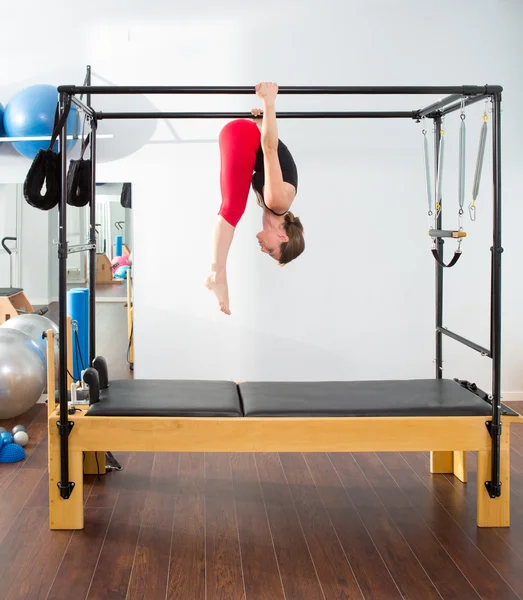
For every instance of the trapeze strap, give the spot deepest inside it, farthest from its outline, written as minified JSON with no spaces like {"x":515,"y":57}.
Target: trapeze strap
{"x":454,"y":260}
{"x":446,"y":233}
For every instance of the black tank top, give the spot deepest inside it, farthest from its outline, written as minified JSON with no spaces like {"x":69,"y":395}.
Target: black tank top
{"x":288,"y":170}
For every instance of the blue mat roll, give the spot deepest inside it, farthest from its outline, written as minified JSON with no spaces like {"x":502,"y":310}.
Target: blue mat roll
{"x":118,"y":245}
{"x":78,"y":310}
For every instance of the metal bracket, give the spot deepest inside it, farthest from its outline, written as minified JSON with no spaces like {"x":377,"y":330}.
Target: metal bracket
{"x":82,"y":247}
{"x":66,"y":490}
{"x":65,"y":429}
{"x":63,"y":250}
{"x":493,"y":489}
{"x":493,"y":429}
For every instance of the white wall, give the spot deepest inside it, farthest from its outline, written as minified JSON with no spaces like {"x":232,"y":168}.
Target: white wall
{"x":9,"y":269}
{"x":359,"y":303}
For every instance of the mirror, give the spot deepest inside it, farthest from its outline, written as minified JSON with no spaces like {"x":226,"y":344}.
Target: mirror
{"x":9,"y":231}
{"x":114,"y":237}
{"x":29,"y":266}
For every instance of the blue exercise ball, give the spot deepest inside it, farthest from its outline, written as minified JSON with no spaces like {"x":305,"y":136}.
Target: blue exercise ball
{"x":31,"y":112}
{"x":2,"y":130}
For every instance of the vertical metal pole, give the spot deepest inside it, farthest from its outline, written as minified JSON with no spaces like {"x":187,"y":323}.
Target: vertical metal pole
{"x":439,"y":247}
{"x":91,"y":276}
{"x":494,"y":486}
{"x":88,"y":82}
{"x":63,"y":423}
{"x":92,"y":251}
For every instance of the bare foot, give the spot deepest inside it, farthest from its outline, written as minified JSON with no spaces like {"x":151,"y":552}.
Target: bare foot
{"x":217,"y":284}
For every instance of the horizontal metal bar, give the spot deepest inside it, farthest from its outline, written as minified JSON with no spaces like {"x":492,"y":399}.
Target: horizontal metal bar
{"x":80,"y":248}
{"x":464,"y":341}
{"x":439,"y":105}
{"x":468,"y":102}
{"x":87,"y":109}
{"x":231,"y":115}
{"x":464,"y":90}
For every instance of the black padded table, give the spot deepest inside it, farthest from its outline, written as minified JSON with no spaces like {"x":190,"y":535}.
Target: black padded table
{"x":398,"y":398}
{"x":167,"y":398}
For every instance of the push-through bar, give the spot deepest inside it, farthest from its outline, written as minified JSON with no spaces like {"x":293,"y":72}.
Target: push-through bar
{"x":232,"y":115}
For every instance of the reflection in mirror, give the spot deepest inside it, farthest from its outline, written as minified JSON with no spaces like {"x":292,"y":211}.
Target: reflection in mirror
{"x":29,"y":274}
{"x":114,"y":242}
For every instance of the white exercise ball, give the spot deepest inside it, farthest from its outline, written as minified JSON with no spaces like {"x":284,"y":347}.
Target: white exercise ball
{"x":34,"y":326}
{"x":22,"y":373}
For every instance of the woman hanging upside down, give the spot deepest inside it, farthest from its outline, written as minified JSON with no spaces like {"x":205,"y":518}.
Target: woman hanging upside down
{"x":252,"y":154}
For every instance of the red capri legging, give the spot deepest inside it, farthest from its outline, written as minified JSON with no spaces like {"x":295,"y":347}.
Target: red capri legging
{"x":239,"y":142}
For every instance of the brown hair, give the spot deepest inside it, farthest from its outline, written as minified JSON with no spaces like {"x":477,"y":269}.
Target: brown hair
{"x":296,"y":244}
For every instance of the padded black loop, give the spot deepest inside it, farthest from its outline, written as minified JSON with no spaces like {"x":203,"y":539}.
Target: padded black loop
{"x":79,"y":182}
{"x":100,"y":364}
{"x":46,"y":168}
{"x":92,"y":380}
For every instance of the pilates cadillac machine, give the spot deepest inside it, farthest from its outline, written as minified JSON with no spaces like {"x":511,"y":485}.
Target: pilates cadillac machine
{"x":446,"y":417}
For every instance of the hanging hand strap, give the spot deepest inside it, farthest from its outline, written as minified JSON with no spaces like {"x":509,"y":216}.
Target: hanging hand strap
{"x":59,"y":122}
{"x":453,"y":261}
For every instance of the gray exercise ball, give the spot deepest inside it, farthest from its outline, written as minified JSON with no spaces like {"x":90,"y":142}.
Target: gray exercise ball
{"x":34,"y":325}
{"x":22,"y":373}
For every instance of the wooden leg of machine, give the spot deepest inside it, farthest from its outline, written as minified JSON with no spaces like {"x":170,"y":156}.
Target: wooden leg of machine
{"x":94,"y":463}
{"x":494,"y":512}
{"x":442,"y":462}
{"x":460,"y":465}
{"x":64,"y":514}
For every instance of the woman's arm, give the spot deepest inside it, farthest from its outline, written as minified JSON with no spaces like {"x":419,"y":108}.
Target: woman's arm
{"x":278,"y":196}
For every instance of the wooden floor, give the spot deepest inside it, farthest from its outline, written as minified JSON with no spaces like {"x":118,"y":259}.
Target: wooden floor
{"x":265,"y":526}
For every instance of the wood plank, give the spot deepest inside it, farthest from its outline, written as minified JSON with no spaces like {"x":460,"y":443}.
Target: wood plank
{"x":40,"y":494}
{"x":467,"y":556}
{"x":151,"y":562}
{"x":276,"y":434}
{"x":373,"y":576}
{"x":224,"y":578}
{"x":76,"y":570}
{"x":297,"y":569}
{"x":38,"y":573}
{"x":435,"y":560}
{"x":260,"y":569}
{"x":113,"y":572}
{"x":12,"y":499}
{"x":409,"y":575}
{"x":331,"y":564}
{"x":187,"y":564}
{"x":36,"y":449}
{"x":18,"y":543}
